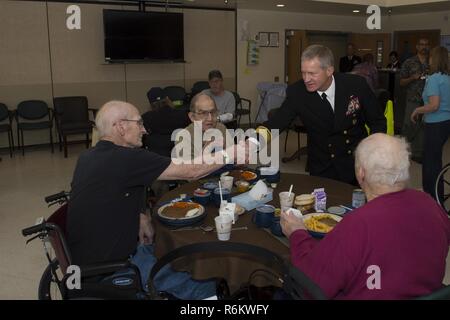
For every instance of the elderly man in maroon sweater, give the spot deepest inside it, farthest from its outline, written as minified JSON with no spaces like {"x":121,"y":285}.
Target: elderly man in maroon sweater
{"x":394,"y":247}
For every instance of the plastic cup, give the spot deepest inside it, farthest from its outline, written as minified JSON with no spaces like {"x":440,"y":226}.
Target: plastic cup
{"x":286,"y":201}
{"x":223,"y":227}
{"x":227,"y":182}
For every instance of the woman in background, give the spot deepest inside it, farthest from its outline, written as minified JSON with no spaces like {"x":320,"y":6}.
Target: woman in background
{"x":436,"y":111}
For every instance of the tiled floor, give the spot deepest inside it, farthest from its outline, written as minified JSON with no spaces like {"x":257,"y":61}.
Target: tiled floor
{"x":25,"y":181}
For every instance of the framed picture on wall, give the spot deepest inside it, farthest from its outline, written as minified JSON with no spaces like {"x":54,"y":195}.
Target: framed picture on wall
{"x":274,"y":39}
{"x":263,"y":39}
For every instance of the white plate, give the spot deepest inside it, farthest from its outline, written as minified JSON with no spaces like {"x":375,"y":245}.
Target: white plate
{"x":309,"y":215}
{"x":199,"y":213}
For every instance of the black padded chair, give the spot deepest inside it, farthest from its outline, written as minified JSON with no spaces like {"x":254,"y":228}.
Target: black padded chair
{"x":177,"y":95}
{"x":198,"y":87}
{"x":6,"y":125}
{"x":383,"y":97}
{"x":241,"y":110}
{"x":27,"y":116}
{"x":72,"y":118}
{"x":160,"y":124}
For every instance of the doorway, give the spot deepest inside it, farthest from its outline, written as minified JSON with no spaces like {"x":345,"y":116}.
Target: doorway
{"x":298,"y":40}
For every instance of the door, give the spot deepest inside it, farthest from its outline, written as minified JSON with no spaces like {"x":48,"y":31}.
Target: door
{"x":378,"y":44}
{"x":295,"y":44}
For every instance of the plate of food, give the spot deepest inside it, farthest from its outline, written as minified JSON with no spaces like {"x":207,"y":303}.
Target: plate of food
{"x":319,"y":224}
{"x":181,"y":213}
{"x":245,"y":175}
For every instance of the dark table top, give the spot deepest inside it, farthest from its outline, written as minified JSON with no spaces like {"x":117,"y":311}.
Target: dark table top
{"x":236,"y":267}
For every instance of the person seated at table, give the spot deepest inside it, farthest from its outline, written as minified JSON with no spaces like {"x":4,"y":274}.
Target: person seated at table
{"x":199,"y":134}
{"x":160,"y":122}
{"x":224,"y":99}
{"x":105,"y":219}
{"x":393,"y":247}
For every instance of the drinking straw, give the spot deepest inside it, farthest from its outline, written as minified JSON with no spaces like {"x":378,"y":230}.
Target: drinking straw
{"x":220,"y":191}
{"x":290,"y":190}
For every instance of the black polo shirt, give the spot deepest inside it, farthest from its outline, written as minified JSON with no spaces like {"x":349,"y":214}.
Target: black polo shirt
{"x":106,"y":199}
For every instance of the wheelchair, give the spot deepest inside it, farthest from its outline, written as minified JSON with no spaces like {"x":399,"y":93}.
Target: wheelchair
{"x":111,"y":280}
{"x":445,"y":178}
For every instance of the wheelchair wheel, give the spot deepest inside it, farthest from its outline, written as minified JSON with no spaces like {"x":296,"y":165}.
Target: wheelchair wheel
{"x":48,"y":286}
{"x":445,"y":176}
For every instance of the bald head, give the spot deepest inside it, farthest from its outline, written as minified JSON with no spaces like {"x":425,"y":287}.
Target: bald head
{"x":384,"y":160}
{"x":110,"y":113}
{"x":201,"y":99}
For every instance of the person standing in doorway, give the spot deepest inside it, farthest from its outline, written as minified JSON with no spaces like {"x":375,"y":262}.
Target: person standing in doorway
{"x":412,"y":76}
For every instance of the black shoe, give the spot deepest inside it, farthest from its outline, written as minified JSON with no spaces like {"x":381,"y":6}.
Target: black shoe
{"x":417,"y":159}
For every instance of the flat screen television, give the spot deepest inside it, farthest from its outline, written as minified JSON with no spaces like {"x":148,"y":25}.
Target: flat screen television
{"x":143,"y":36}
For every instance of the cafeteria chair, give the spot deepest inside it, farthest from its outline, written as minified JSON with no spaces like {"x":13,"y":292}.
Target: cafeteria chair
{"x":72,"y":118}
{"x":6,"y":125}
{"x":241,"y":110}
{"x":33,"y":115}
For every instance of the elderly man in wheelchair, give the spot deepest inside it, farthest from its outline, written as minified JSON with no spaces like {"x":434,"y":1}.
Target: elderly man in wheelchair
{"x":105,"y":215}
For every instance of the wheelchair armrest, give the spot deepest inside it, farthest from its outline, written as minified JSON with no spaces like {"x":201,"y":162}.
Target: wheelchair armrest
{"x":107,"y":267}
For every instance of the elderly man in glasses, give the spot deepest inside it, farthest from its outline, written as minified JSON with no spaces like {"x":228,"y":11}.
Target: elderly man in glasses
{"x":199,"y":134}
{"x":106,"y":220}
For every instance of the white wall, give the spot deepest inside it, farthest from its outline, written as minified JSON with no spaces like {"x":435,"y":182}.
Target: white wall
{"x":420,"y":21}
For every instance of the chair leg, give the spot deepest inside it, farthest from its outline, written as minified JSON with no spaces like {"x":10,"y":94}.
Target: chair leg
{"x":12,"y":139}
{"x":18,"y":138}
{"x":285,"y":140}
{"x":11,"y":143}
{"x":249,"y":120}
{"x":51,"y":141}
{"x":65,"y":146}
{"x":23,"y":144}
{"x":60,"y":142}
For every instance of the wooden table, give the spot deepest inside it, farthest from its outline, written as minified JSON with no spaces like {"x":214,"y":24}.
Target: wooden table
{"x":237,"y":268}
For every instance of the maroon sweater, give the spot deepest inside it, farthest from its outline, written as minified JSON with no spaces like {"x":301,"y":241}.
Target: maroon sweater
{"x":406,"y":234}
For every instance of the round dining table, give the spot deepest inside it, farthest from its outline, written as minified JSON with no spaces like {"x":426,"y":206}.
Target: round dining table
{"x":237,"y":267}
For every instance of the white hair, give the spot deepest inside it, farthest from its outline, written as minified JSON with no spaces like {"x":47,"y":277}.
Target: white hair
{"x":385,"y":159}
{"x":324,"y":54}
{"x":110,"y":113}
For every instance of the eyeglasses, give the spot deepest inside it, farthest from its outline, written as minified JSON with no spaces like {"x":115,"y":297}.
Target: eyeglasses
{"x":140,"y":122}
{"x":205,"y":114}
